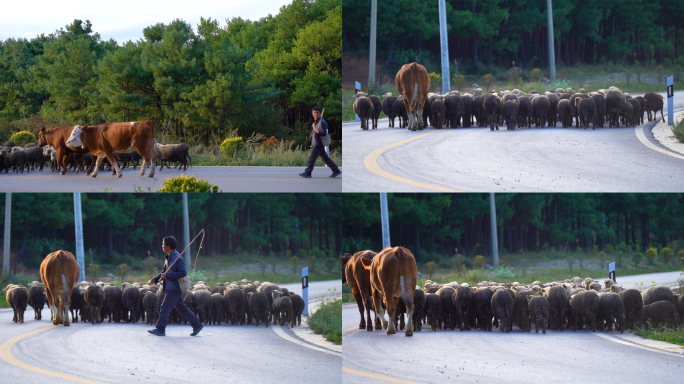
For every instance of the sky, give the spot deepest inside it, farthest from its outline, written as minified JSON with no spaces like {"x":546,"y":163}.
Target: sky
{"x":122,"y":20}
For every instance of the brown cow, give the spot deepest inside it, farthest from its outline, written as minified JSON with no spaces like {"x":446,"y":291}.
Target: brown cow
{"x":358,"y":279}
{"x":59,"y":272}
{"x":103,"y":139}
{"x":393,"y":275}
{"x":413,"y":84}
{"x":57,"y":138}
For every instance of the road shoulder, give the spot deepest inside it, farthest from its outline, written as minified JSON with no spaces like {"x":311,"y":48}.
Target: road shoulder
{"x":662,"y":132}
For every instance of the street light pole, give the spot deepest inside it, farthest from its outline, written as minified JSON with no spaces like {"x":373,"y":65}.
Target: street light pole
{"x":552,"y":55}
{"x":444,"y":42}
{"x":78,"y":224}
{"x":186,"y":229}
{"x":371,"y":59}
{"x":495,"y":240}
{"x":384,"y":215}
{"x":8,"y":231}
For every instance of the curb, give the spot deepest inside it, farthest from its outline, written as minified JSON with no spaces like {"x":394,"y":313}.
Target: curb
{"x":662,"y":132}
{"x":651,"y":345}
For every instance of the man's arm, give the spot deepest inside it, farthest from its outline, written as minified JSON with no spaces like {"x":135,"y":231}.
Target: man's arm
{"x":323,"y":130}
{"x":180,"y":272}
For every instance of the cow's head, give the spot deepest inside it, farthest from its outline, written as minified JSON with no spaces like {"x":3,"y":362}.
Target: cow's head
{"x":74,"y":139}
{"x":42,"y":141}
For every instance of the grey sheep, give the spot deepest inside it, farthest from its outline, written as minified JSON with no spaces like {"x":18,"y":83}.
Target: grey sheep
{"x":614,"y":100}
{"x":203,"y":304}
{"x":564,"y":113}
{"x":611,"y":310}
{"x":17,"y":297}
{"x":653,"y":103}
{"x":218,"y":312}
{"x":542,"y":106}
{"x":94,"y":296}
{"x":112,"y":306}
{"x":36,"y":300}
{"x":258,"y":307}
{"x":297,"y":307}
{"x":521,"y":311}
{"x":509,"y":113}
{"x":657,"y":293}
{"x":660,"y":313}
{"x":539,"y":312}
{"x":585,"y":306}
{"x":418,"y":309}
{"x":433,"y":310}
{"x":502,"y":307}
{"x":388,"y":107}
{"x":377,"y":108}
{"x":600,"y":102}
{"x":627,"y":114}
{"x":524,"y":111}
{"x":438,"y":112}
{"x":8,"y":144}
{"x":282,"y":307}
{"x":637,"y":116}
{"x":151,"y":306}
{"x":131,"y":300}
{"x":449,"y":314}
{"x":363,"y":107}
{"x":400,"y":113}
{"x":553,"y":108}
{"x":463,"y":302}
{"x":557,"y":297}
{"x":492,"y":107}
{"x":586,"y":110}
{"x":234,"y":305}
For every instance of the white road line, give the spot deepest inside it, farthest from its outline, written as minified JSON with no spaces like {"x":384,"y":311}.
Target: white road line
{"x":616,"y":340}
{"x":279,"y":331}
{"x":639,"y":131}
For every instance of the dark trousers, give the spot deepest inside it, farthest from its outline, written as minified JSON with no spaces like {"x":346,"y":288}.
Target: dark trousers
{"x":319,"y":151}
{"x":174,"y":299}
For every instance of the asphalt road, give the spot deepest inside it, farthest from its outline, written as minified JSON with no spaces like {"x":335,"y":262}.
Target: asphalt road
{"x":228,"y":179}
{"x":126,"y":353}
{"x":524,"y":160}
{"x":492,"y":357}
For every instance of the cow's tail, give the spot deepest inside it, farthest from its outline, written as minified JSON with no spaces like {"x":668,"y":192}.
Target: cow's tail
{"x":64,"y":288}
{"x":408,"y":301}
{"x":414,"y":101}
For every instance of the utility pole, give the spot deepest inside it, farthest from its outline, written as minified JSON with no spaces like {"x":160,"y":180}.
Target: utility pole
{"x":186,"y":230}
{"x":444,"y":42}
{"x":78,"y":224}
{"x":552,"y":55}
{"x":385,"y":220}
{"x":495,"y":240}
{"x":371,"y":59}
{"x":8,"y":231}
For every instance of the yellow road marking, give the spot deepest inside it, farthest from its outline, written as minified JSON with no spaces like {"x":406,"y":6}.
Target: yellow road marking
{"x":6,"y":354}
{"x":350,"y":329}
{"x":376,"y":376}
{"x":371,"y":164}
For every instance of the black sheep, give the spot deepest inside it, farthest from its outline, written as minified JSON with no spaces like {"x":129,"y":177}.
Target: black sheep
{"x":400,"y":113}
{"x":16,"y":160}
{"x":37,"y":300}
{"x":502,"y":307}
{"x":642,"y":105}
{"x":399,"y":312}
{"x":585,"y":308}
{"x":509,"y":112}
{"x":557,"y":297}
{"x":657,"y":293}
{"x":611,"y":310}
{"x":600,"y":102}
{"x":8,"y":144}
{"x":614,"y":100}
{"x":170,"y":153}
{"x":478,"y":110}
{"x":282,"y":307}
{"x":297,"y":307}
{"x":217,"y":311}
{"x":94,"y":297}
{"x":539,"y":312}
{"x":418,"y":309}
{"x":377,"y":108}
{"x":388,"y":107}
{"x":449,"y":314}
{"x":521,"y":311}
{"x":17,"y":297}
{"x":426,"y":108}
{"x":438,"y":112}
{"x":203,"y":304}
{"x":492,"y":107}
{"x":524,"y":111}
{"x":131,"y":299}
{"x":453,"y":109}
{"x":463,"y":302}
{"x":258,"y":307}
{"x":553,"y":108}
{"x":234,"y":305}
{"x":467,"y":109}
{"x":433,"y":310}
{"x":542,"y":106}
{"x":637,"y":116}
{"x":627,"y":114}
{"x":660,"y":313}
{"x":482,"y":300}
{"x":78,"y":305}
{"x":586,"y":109}
{"x":363,"y":107}
{"x":653,"y":103}
{"x":112,"y":306}
{"x":151,"y":305}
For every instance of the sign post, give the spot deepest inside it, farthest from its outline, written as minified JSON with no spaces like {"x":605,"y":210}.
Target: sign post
{"x":384,"y":216}
{"x":357,"y":87}
{"x":8,"y":227}
{"x":611,"y":271}
{"x":305,"y":290}
{"x":79,"y":235}
{"x":444,"y":45}
{"x":670,"y":101}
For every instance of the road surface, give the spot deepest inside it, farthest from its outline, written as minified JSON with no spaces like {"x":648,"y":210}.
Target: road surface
{"x":492,"y":357}
{"x":126,"y":353}
{"x":525,"y":160}
{"x":228,"y":179}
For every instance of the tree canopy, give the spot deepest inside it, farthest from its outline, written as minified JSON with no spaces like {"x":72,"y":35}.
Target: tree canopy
{"x":197,"y":84}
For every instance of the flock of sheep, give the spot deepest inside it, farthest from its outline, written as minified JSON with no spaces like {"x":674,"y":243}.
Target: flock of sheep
{"x":572,"y":303}
{"x":516,"y":109}
{"x":30,"y":157}
{"x":239,"y":302}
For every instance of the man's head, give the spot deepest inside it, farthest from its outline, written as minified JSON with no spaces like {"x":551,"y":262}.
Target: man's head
{"x":316,"y":112}
{"x":169,"y":244}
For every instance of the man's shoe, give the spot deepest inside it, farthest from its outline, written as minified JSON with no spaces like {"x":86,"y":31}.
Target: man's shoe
{"x":197,"y":330}
{"x":336,"y":173}
{"x":305,"y":175}
{"x":157,"y":332}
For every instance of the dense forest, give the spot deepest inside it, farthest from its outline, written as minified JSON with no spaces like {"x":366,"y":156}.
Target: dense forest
{"x":198,"y":85}
{"x":489,"y":33}
{"x":439,"y":223}
{"x":124,"y":227}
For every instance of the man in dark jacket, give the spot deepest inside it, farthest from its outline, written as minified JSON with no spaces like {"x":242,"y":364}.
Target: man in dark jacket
{"x":318,"y":130}
{"x":172,"y":290}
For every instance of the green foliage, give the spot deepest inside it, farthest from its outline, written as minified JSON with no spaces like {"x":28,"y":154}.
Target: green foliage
{"x":536,"y":75}
{"x":571,"y":263}
{"x":435,"y":81}
{"x":185,"y":183}
{"x":330,"y":264}
{"x":628,"y":76}
{"x":263,"y":266}
{"x":294,"y":262}
{"x":602,"y":259}
{"x":680,"y":254}
{"x":659,"y":70}
{"x":457,"y":263}
{"x":667,"y":255}
{"x":636,"y":258}
{"x":123,"y":270}
{"x":327,"y":320}
{"x":651,"y":255}
{"x":231,"y":146}
{"x":489,"y":81}
{"x":479,"y":262}
{"x":565,"y":84}
{"x":93,"y":272}
{"x":430,"y":268}
{"x":197,"y":275}
{"x":312,"y":263}
{"x":458,"y":80}
{"x":514,"y":75}
{"x":672,"y":336}
{"x":678,"y":130}
{"x":504,"y":273}
{"x":23,"y":137}
{"x":150,"y":266}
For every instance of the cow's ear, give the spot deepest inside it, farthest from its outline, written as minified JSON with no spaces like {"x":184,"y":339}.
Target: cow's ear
{"x":42,"y":129}
{"x":345,"y":258}
{"x":85,"y":126}
{"x":366,"y":262}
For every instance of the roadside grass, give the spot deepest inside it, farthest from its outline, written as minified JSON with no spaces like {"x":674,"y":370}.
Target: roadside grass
{"x":3,"y":301}
{"x":678,"y":130}
{"x":281,"y":155}
{"x":347,"y":296}
{"x":328,"y":320}
{"x":663,"y":334}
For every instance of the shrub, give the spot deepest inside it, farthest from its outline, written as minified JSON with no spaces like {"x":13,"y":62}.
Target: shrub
{"x":124,"y":269}
{"x":680,"y":254}
{"x":638,"y":70}
{"x":651,"y":255}
{"x":270,"y":142}
{"x":667,"y":254}
{"x":184,"y":183}
{"x":231,"y":146}
{"x":459,"y":81}
{"x":294,"y":260}
{"x":678,"y":130}
{"x":602,"y":259}
{"x":93,"y":271}
{"x":327,"y":320}
{"x":504,"y":273}
{"x":330,"y":264}
{"x":273,"y":262}
{"x":628,"y":75}
{"x":150,"y":265}
{"x":312,"y":263}
{"x":430,"y":269}
{"x":535,"y":75}
{"x":197,"y":275}
{"x":479,"y":262}
{"x":636,"y":259}
{"x":23,"y":137}
{"x":488,"y":80}
{"x":514,"y":75}
{"x":435,"y":80}
{"x":263,"y":266}
{"x":571,"y":263}
{"x":659,"y":70}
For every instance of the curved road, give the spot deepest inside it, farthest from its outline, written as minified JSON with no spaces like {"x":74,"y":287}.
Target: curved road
{"x":228,"y":179}
{"x":517,"y":357}
{"x":117,"y":353}
{"x":525,"y":160}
